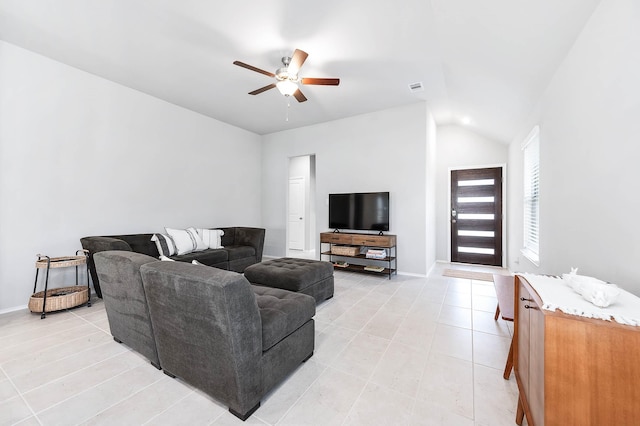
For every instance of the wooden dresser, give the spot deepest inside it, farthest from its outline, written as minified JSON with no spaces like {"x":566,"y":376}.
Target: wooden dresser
{"x":572,"y":370}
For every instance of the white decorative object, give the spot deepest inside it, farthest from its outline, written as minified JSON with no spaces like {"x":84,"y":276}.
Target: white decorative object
{"x":211,"y":237}
{"x":555,"y":295}
{"x":186,"y":240}
{"x":591,"y":289}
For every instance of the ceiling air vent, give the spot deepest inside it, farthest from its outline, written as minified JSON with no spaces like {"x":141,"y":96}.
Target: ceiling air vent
{"x":416,"y":87}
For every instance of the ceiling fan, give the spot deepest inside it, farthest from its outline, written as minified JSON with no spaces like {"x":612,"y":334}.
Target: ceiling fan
{"x":287,"y":76}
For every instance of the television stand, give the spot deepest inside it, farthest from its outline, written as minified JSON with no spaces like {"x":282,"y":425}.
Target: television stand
{"x":346,"y":248}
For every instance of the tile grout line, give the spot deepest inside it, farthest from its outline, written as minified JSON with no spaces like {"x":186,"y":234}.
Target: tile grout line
{"x":35,"y":339}
{"x":300,"y":397}
{"x":327,"y":366}
{"x":368,"y":380}
{"x":33,"y":414}
{"x":69,"y":355}
{"x":81,"y":369}
{"x":125,"y":398}
{"x":473,"y":359}
{"x":428,"y":353}
{"x":96,"y":385}
{"x":471,"y":362}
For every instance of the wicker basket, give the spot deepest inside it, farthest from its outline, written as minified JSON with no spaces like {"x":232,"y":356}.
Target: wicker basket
{"x":345,"y":250}
{"x":59,"y":299}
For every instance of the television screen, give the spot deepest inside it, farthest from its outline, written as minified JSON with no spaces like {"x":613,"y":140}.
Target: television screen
{"x":368,"y":211}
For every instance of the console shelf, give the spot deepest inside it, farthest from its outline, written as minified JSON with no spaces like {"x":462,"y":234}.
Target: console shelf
{"x":358,"y":262}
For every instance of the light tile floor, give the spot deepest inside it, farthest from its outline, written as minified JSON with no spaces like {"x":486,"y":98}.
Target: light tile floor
{"x":405,"y":351}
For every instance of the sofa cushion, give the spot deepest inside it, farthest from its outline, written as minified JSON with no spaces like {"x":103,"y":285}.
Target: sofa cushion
{"x":240,"y":252}
{"x":140,"y":243}
{"x":211,"y":237}
{"x":282,"y":312}
{"x":229,"y":236}
{"x":165,"y":244}
{"x":207,"y":257}
{"x":186,"y":240}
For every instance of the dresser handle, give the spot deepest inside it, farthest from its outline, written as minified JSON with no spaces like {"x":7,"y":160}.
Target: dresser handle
{"x":530,"y":307}
{"x":526,"y":300}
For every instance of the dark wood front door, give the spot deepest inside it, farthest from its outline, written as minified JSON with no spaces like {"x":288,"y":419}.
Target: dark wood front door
{"x":476,"y":216}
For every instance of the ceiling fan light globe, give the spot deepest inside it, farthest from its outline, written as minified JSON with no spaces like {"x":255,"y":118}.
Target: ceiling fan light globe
{"x":287,"y":87}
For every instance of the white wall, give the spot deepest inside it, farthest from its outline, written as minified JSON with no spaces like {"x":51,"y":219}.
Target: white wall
{"x":459,"y":147}
{"x":382,"y":151}
{"x":589,"y":176}
{"x":80,"y":155}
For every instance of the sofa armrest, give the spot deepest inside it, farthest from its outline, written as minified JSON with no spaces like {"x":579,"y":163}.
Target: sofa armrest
{"x":253,"y":237}
{"x":96,"y":245}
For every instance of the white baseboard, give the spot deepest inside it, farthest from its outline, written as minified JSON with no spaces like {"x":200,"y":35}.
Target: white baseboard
{"x":411,"y":274}
{"x":15,"y":308}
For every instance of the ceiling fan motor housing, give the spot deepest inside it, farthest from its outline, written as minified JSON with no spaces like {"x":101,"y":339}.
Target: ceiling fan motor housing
{"x":283,"y":73}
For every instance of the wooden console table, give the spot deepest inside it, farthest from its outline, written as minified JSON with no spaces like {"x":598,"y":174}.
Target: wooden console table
{"x":346,"y":241}
{"x":571,"y":369}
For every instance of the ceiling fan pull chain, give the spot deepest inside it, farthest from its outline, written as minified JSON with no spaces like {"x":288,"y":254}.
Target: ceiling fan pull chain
{"x":288,"y":106}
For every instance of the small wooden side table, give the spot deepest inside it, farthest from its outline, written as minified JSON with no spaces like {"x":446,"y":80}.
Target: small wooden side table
{"x":505,"y":286}
{"x":60,"y":298}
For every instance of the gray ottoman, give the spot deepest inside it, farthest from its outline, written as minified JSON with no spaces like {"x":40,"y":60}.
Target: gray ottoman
{"x":311,"y":277}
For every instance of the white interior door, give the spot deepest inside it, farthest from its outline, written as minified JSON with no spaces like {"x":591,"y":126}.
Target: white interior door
{"x":296,"y":213}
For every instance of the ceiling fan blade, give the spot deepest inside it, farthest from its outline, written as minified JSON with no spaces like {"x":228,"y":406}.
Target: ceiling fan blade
{"x":322,"y":81}
{"x":263,"y":89}
{"x":298,"y":58}
{"x":299,"y":96}
{"x":252,"y":68}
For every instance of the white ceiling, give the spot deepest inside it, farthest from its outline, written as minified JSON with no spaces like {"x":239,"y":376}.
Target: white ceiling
{"x":488,"y":60}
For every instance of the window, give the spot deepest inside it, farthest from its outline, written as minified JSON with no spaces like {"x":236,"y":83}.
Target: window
{"x":531,"y":148}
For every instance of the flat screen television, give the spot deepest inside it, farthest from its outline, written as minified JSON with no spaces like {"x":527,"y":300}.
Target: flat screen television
{"x":363,"y":211}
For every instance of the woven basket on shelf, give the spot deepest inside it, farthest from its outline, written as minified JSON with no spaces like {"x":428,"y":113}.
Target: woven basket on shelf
{"x":59,"y":299}
{"x":345,"y":250}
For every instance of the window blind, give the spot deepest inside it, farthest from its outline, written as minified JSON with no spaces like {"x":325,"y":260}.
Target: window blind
{"x":531,"y":149}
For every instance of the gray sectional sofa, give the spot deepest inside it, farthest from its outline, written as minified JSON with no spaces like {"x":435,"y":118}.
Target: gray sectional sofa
{"x":125,"y":300}
{"x":242,"y":246}
{"x":211,"y":328}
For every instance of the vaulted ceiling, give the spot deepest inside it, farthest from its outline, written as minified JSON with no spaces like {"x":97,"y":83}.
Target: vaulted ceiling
{"x":487,"y":61}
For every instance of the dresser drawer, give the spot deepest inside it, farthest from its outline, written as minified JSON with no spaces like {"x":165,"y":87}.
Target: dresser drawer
{"x":373,"y":240}
{"x":335,"y":238}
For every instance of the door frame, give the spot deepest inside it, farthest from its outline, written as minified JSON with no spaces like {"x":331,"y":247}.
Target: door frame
{"x":304,"y":213}
{"x":503,"y":166}
{"x":311,"y":203}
